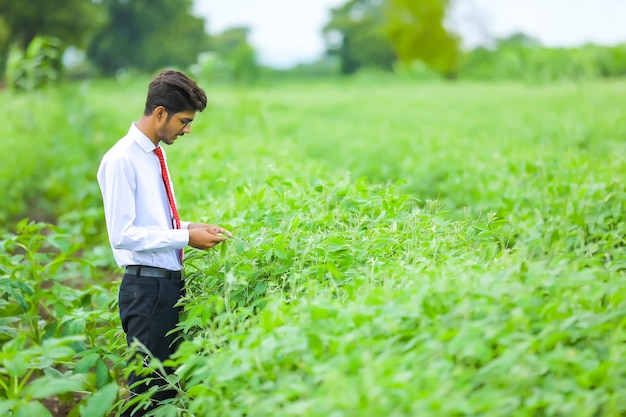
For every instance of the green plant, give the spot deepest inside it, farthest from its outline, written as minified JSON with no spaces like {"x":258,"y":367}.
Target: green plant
{"x":39,"y":65}
{"x":400,"y":248}
{"x":57,"y":341}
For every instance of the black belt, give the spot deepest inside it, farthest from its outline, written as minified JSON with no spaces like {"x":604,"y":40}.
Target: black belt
{"x":154,"y":272}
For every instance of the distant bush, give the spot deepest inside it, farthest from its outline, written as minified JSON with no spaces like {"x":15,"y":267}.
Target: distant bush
{"x":37,"y":66}
{"x":518,"y":58}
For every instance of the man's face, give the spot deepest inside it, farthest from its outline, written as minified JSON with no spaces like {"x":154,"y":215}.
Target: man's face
{"x":174,"y":125}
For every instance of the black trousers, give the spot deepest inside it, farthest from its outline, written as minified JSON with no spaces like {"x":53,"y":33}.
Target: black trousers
{"x":148,"y":314}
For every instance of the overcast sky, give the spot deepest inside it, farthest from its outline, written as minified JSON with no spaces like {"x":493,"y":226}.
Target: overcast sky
{"x":287,"y":32}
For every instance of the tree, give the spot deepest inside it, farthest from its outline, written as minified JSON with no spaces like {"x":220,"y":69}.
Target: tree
{"x":5,"y":34}
{"x":148,"y":35}
{"x":71,"y":21}
{"x":354,"y":34}
{"x":234,"y":49}
{"x":417,"y":32}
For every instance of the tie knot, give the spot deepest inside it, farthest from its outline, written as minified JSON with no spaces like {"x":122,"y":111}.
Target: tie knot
{"x":158,"y":152}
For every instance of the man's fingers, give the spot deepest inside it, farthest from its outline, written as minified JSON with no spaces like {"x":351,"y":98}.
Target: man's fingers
{"x":226,"y":232}
{"x":216,"y":230}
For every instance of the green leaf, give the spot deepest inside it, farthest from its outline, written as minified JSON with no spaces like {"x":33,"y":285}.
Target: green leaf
{"x":259,"y":288}
{"x":280,"y":254}
{"x":223,"y":249}
{"x":99,"y":404}
{"x":102,"y":373}
{"x":86,"y":363}
{"x":32,"y":409}
{"x":47,"y":386}
{"x":332,"y":268}
{"x":17,"y":366}
{"x":6,"y":406}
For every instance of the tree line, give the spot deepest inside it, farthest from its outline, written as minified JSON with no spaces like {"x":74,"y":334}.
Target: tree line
{"x":114,"y":36}
{"x":381,"y":35}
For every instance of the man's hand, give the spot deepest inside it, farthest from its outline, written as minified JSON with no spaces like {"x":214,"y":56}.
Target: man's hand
{"x":205,"y":236}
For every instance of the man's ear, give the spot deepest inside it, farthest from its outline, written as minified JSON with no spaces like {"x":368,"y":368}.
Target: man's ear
{"x":159,"y":113}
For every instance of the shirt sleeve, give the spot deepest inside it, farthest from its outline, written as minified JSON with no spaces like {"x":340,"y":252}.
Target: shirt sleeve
{"x":117,"y":180}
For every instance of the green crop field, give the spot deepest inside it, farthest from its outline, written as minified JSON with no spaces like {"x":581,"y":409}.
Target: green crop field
{"x":401,"y":249}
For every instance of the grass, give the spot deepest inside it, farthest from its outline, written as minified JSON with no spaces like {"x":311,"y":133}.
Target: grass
{"x":402,"y":249}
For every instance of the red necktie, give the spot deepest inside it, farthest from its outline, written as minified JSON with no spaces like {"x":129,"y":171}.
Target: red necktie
{"x":168,"y":190}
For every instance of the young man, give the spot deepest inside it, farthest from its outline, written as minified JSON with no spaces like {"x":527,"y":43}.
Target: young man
{"x":145,"y":231}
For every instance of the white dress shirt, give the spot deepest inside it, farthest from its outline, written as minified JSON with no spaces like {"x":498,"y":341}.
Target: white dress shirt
{"x":136,"y":208}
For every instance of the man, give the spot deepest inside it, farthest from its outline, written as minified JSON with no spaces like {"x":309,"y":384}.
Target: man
{"x":145,"y":232}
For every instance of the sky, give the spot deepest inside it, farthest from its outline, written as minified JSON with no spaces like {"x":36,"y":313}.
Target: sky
{"x":288,"y":32}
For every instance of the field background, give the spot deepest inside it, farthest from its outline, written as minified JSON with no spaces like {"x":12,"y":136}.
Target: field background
{"x":402,"y":248}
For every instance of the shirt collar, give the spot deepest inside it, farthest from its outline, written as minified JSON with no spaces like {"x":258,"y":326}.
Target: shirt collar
{"x":142,"y":140}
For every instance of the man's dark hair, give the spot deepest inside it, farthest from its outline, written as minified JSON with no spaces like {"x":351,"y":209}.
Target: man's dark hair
{"x":175,"y":91}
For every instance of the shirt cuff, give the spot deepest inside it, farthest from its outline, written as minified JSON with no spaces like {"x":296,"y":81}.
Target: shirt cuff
{"x":181,"y":238}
